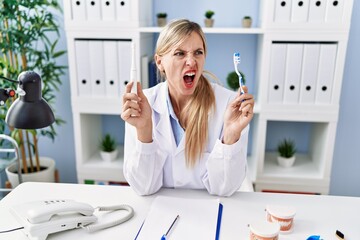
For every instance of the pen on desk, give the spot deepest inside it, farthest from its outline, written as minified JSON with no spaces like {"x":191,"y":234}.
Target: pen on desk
{"x":164,"y":237}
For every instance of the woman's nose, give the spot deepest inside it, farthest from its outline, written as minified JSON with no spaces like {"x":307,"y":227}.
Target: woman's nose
{"x":190,"y":60}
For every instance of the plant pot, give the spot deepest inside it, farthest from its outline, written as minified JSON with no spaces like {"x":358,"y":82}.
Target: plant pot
{"x":161,"y":22}
{"x":286,"y":162}
{"x":46,"y":174}
{"x":109,"y":156}
{"x":246,"y":22}
{"x":209,"y":22}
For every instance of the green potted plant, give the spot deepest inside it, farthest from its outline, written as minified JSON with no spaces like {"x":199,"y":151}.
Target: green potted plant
{"x":286,"y":150}
{"x":161,"y":19}
{"x":108,"y":148}
{"x":232,"y":80}
{"x":246,"y":22}
{"x":209,"y":21}
{"x":25,"y":44}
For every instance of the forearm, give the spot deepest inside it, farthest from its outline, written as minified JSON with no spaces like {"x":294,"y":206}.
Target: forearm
{"x":226,"y":167}
{"x":143,"y":164}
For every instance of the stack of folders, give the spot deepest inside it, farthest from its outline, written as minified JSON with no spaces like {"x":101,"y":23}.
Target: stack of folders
{"x":102,"y":66}
{"x":101,"y":10}
{"x":198,"y":219}
{"x":308,"y":11}
{"x":302,"y":72}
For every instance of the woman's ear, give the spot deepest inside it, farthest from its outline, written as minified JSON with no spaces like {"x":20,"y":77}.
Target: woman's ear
{"x":158,"y":63}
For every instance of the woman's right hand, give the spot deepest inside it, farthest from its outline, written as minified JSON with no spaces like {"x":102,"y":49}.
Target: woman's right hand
{"x":136,"y":111}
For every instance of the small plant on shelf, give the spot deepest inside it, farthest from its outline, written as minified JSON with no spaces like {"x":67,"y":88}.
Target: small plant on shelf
{"x":108,"y":148}
{"x":161,"y":19}
{"x":209,"y":14}
{"x":209,"y":21}
{"x":246,"y":22}
{"x":233,"y":80}
{"x":286,"y":149}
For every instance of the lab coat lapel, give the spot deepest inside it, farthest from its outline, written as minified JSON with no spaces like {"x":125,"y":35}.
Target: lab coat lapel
{"x":162,"y":120}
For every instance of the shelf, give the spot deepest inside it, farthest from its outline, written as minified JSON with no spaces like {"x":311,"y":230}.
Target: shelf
{"x":215,"y":30}
{"x":303,"y":168}
{"x":97,"y":169}
{"x":97,"y":105}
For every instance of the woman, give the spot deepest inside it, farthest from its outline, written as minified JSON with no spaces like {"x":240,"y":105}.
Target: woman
{"x":185,"y":132}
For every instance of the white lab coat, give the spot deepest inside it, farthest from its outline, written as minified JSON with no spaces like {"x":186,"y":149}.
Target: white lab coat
{"x":150,"y":166}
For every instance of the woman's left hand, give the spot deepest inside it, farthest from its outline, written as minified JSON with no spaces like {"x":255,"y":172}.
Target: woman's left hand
{"x":237,"y":116}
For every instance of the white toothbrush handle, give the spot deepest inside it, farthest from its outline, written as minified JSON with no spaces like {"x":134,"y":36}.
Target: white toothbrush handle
{"x":240,"y":84}
{"x":133,"y":69}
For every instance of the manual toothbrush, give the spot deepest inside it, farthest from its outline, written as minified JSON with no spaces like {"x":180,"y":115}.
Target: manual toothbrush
{"x":236,"y":64}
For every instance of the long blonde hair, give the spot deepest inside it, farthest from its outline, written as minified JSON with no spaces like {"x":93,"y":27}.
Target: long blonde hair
{"x":194,"y":117}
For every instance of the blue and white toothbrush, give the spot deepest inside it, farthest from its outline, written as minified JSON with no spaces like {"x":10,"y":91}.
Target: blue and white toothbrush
{"x":237,"y":60}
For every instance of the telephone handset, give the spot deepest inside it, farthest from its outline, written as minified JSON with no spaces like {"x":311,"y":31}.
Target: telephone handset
{"x":40,"y":218}
{"x":41,"y":211}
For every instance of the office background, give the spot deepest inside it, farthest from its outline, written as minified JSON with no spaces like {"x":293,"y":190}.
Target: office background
{"x":345,"y":179}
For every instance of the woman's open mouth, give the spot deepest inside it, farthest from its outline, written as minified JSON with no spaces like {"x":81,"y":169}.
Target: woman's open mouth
{"x":189,"y":79}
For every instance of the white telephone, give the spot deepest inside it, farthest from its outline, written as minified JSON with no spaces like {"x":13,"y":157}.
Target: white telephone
{"x":41,"y":218}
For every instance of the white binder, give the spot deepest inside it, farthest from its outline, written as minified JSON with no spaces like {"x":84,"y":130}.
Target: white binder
{"x":300,"y":11}
{"x":317,"y":10}
{"x":309,"y":72}
{"x":93,"y":10}
{"x":97,"y":76}
{"x":335,"y":11}
{"x":277,"y":73}
{"x":111,"y":69}
{"x":293,"y":73}
{"x":326,"y":73}
{"x":82,"y":68}
{"x":78,"y":8}
{"x":108,"y":10}
{"x":124,"y":55}
{"x":123,"y":10}
{"x":282,"y":11}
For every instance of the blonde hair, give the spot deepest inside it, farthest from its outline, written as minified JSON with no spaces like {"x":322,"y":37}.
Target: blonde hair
{"x":194,"y":117}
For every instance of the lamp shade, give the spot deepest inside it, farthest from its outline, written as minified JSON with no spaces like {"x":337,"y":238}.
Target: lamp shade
{"x":30,"y":111}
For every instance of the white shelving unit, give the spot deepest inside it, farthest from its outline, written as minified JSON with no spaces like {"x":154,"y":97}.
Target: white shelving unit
{"x":287,"y":22}
{"x":299,"y":23}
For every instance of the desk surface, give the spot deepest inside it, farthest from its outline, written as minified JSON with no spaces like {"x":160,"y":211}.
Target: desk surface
{"x":316,"y":214}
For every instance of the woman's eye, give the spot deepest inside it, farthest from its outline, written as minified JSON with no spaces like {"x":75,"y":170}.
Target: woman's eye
{"x":179,"y":54}
{"x":199,"y":52}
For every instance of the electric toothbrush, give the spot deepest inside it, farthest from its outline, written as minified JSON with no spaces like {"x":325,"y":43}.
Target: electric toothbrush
{"x":133,"y":69}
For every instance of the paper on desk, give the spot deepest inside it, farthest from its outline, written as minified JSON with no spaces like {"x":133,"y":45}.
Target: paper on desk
{"x":198,"y":219}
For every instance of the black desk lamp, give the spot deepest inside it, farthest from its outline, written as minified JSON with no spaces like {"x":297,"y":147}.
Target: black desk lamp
{"x":30,"y":110}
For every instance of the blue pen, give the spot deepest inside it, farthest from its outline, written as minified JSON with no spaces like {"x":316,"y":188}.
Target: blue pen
{"x":164,"y":237}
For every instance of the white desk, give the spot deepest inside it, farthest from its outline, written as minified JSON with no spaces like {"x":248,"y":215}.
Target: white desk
{"x":316,"y":215}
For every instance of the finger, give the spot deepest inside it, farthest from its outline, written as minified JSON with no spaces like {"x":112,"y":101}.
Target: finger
{"x":129,"y":113}
{"x":140,"y":91}
{"x":245,"y":88}
{"x":131,"y":104}
{"x":247,"y":110}
{"x":128,"y":87}
{"x":242,"y":98}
